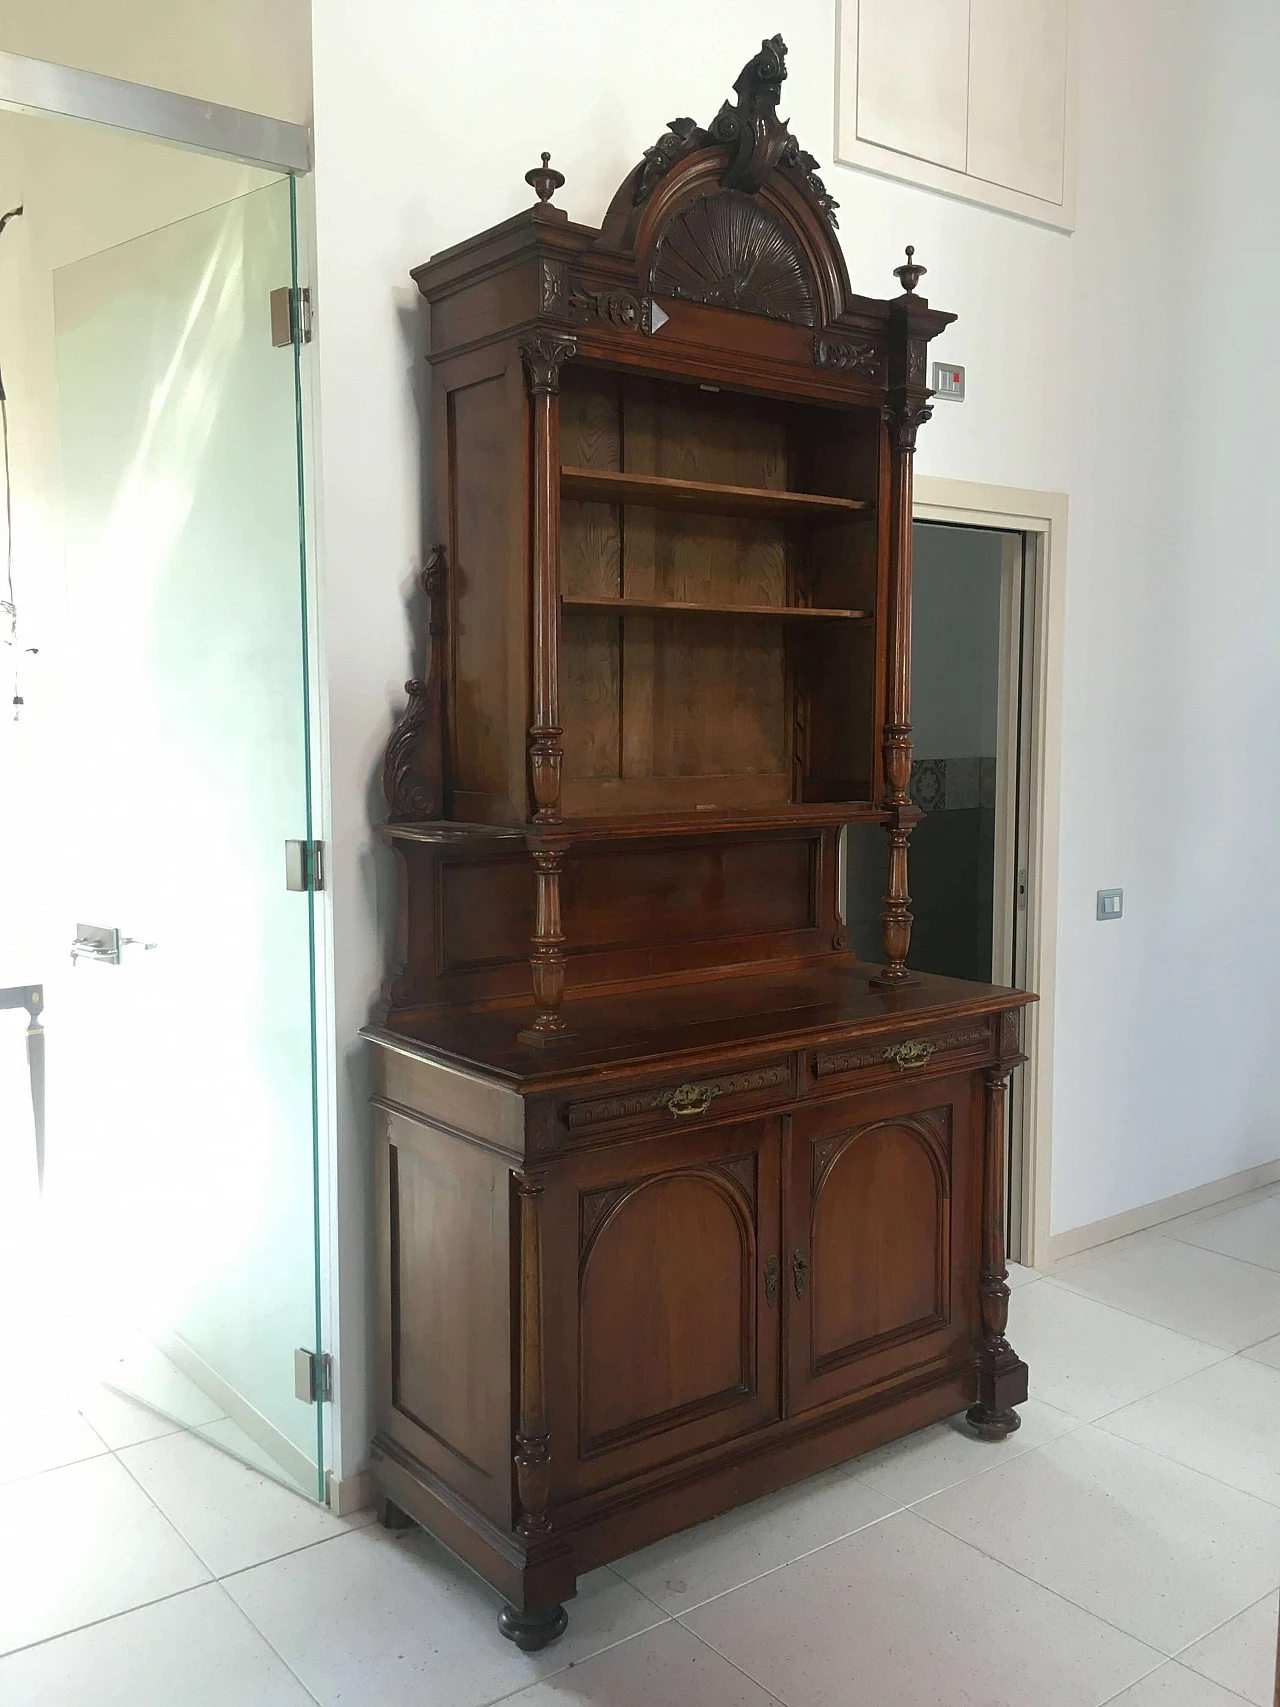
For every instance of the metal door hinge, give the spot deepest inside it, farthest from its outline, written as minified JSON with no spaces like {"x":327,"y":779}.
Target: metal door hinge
{"x":304,"y":865}
{"x":290,"y":313}
{"x":313,"y":1376}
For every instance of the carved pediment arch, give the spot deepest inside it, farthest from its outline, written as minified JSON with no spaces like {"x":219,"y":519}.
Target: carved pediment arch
{"x":736,"y":214}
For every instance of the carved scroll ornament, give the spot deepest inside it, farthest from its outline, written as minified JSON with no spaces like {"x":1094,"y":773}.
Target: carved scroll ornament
{"x":759,"y":139}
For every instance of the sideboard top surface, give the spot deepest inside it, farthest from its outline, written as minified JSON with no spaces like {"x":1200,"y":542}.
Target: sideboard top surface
{"x":613,"y":1034}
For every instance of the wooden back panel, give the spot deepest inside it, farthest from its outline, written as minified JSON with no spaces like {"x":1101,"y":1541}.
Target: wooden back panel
{"x":633,"y":911}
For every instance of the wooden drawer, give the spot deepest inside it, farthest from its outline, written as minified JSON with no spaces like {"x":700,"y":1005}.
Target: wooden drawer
{"x":668,"y":1104}
{"x":903,"y":1054}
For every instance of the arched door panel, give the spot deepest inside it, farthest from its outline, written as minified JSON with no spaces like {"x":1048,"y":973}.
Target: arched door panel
{"x":883,"y":1189}
{"x":672,"y":1337}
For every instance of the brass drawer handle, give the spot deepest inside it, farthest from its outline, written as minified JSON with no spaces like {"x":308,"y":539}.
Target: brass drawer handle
{"x":913,"y":1054}
{"x":799,"y":1272}
{"x":688,"y":1099}
{"x":771,"y":1280}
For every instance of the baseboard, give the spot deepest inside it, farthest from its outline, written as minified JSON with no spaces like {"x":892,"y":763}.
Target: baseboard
{"x":277,"y":1445}
{"x":1077,"y":1239}
{"x":348,"y":1494}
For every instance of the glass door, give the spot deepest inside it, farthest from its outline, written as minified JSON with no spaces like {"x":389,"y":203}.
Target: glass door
{"x":181,"y":1182}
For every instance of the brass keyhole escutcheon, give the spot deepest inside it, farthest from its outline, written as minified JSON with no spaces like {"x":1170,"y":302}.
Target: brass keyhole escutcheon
{"x":913,"y":1054}
{"x":689,"y":1099}
{"x":771,"y":1280}
{"x":800,"y":1272}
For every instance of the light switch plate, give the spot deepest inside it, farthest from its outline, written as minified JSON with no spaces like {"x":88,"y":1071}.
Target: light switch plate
{"x":1110,"y":903}
{"x":948,"y":382}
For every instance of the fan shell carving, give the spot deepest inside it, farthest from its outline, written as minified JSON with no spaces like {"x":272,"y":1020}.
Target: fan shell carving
{"x":727,"y":250}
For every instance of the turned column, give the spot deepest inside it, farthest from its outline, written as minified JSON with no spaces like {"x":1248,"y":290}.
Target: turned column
{"x":531,"y":1629}
{"x":903,"y":416}
{"x":1002,"y":1375}
{"x":547,"y":959}
{"x":543,"y":359}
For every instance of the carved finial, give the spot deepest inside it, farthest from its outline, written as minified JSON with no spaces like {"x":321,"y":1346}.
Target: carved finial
{"x":752,"y":127}
{"x":545,"y":179}
{"x":910,"y":273}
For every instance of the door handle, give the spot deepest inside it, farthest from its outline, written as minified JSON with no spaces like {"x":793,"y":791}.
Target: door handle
{"x":102,"y":942}
{"x":800,"y":1272}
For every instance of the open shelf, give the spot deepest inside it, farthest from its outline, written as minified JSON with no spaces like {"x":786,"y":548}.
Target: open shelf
{"x":608,"y":486}
{"x":682,"y":607}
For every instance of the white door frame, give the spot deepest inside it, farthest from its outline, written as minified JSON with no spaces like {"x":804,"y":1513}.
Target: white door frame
{"x":1042,"y":518}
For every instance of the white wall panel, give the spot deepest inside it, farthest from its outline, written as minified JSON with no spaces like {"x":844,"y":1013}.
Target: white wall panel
{"x":913,"y":68}
{"x":1017,"y":94}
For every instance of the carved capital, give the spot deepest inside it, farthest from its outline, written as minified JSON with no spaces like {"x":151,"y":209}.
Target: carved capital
{"x":904,"y":417}
{"x":543,"y":359}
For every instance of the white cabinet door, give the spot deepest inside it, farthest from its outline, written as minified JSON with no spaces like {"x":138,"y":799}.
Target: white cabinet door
{"x":1017,"y":94}
{"x":913,"y":74}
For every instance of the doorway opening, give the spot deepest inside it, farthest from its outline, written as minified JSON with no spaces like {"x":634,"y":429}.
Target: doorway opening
{"x":986,"y":739}
{"x":160,"y":1201}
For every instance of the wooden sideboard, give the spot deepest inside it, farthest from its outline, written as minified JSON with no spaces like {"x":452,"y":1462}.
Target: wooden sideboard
{"x":678,"y":1200}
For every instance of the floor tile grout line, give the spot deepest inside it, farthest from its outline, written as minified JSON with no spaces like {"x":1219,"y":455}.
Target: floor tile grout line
{"x":107,"y":1618}
{"x":267,"y":1642}
{"x":1187,"y":1648}
{"x":1167,"y":1660}
{"x":1076,"y":1423}
{"x":741,"y":1670}
{"x":1087,"y":1610}
{"x":189,"y":1545}
{"x":707,"y":1642}
{"x":51,"y":1469}
{"x":1045,"y":1589}
{"x":292,"y":1553}
{"x":1248,"y":1262}
{"x":1232,"y":1487}
{"x":786,"y":1563}
{"x":1172,"y":1662}
{"x":1212,"y":1345}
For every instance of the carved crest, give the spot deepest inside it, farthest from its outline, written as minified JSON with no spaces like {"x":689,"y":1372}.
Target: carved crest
{"x":412,"y":762}
{"x":728,"y":250}
{"x":760,"y":140}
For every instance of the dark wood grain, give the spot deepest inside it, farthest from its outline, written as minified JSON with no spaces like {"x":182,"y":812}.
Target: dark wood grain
{"x":657,"y":607}
{"x":661,"y":492}
{"x":678,"y":1201}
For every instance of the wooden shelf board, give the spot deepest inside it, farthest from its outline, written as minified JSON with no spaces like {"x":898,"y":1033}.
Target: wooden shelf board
{"x":678,"y":607}
{"x":608,"y":486}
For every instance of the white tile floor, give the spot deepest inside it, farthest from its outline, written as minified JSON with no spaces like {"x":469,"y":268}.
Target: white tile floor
{"x":1123,"y":1547}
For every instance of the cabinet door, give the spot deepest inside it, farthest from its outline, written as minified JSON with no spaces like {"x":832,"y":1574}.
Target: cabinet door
{"x":881,"y":1255}
{"x":660,"y":1300}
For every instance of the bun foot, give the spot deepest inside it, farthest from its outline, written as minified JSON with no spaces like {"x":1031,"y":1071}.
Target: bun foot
{"x":532,"y":1630}
{"x":990,"y":1424}
{"x":391,"y":1517}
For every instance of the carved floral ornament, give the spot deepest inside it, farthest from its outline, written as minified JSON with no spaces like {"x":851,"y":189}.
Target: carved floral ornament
{"x":759,"y":138}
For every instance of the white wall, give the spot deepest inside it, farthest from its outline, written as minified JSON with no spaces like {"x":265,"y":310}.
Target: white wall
{"x":1130,"y":365}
